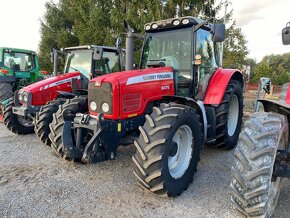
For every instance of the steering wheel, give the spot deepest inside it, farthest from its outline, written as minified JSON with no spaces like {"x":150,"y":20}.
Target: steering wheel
{"x":171,"y":61}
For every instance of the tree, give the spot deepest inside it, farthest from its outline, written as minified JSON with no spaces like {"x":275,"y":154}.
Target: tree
{"x":73,"y":22}
{"x":235,"y":48}
{"x":280,"y":65}
{"x":262,"y":70}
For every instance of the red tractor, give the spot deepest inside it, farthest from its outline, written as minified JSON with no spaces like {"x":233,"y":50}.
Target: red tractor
{"x":32,"y":107}
{"x":262,"y":156}
{"x":179,"y":100}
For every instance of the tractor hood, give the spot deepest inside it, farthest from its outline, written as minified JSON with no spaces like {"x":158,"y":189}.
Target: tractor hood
{"x":128,"y":93}
{"x":46,"y":90}
{"x":51,"y":82}
{"x":126,"y":77}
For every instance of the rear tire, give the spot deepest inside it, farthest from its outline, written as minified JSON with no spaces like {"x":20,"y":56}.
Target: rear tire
{"x":5,"y":91}
{"x":253,"y":191}
{"x":76,"y":105}
{"x":229,"y":116}
{"x":15,"y":123}
{"x":168,"y":149}
{"x":43,"y":118}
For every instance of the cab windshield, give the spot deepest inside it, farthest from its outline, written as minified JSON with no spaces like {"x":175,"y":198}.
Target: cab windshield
{"x":174,"y":48}
{"x":18,"y":61}
{"x":79,"y":61}
{"x":83,"y":62}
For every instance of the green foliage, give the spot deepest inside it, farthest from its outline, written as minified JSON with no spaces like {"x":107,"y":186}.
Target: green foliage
{"x":278,"y":67}
{"x":235,"y":48}
{"x":253,"y":64}
{"x":73,"y":22}
{"x":262,"y":70}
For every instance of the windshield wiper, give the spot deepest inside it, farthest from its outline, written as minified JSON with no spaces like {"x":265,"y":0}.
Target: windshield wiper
{"x":197,"y":27}
{"x":74,"y":68}
{"x":157,"y":60}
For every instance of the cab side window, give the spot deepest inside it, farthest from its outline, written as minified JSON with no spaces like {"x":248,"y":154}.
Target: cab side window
{"x":205,"y":48}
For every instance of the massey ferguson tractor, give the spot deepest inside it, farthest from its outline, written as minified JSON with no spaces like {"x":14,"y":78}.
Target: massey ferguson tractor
{"x":18,"y":68}
{"x":262,"y":156}
{"x":40,"y":100}
{"x":179,"y":100}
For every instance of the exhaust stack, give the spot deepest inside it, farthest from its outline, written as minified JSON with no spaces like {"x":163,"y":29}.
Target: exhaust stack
{"x":129,"y":47}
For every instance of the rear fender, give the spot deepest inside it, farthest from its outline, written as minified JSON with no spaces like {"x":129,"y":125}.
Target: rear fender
{"x":218,"y":84}
{"x":276,"y":106}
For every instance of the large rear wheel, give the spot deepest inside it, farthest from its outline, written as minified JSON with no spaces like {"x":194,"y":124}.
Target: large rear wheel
{"x":5,"y":91}
{"x":44,"y":117}
{"x":15,"y":123}
{"x":254,"y":190}
{"x":168,"y":149}
{"x":229,"y":117}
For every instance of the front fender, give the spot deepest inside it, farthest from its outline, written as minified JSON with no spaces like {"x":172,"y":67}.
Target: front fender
{"x":218,"y":84}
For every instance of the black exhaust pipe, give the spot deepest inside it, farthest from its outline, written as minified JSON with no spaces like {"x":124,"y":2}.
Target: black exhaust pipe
{"x":129,"y":47}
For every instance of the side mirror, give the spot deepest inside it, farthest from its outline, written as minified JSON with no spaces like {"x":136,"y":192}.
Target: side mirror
{"x":286,"y":35}
{"x":98,"y":53}
{"x":119,"y":44}
{"x":51,"y":55}
{"x":219,"y":33}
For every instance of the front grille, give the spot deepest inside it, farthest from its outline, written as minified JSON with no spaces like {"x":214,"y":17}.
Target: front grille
{"x":100,"y":95}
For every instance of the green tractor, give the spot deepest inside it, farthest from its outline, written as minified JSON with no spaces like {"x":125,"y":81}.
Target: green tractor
{"x":18,"y":68}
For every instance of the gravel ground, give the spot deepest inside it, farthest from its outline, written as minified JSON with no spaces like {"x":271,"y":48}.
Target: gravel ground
{"x":36,"y":183}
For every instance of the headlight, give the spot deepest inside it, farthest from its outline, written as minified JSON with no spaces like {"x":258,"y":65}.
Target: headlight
{"x":176,"y":22}
{"x":93,"y":106}
{"x":105,"y":107}
{"x":185,"y":21}
{"x":154,"y":25}
{"x":147,"y":27}
{"x":25,"y":96}
{"x":20,"y":97}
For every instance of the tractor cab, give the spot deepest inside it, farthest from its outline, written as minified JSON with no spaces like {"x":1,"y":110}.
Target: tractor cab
{"x":187,"y":44}
{"x":19,"y":67}
{"x":91,"y":61}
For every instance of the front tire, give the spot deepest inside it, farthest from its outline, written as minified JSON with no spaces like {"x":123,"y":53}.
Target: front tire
{"x":254,"y":191}
{"x":75,"y":105}
{"x":16,"y":123}
{"x":168,"y":149}
{"x":43,"y":118}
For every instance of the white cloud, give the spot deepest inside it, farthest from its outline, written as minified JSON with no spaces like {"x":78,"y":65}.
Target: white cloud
{"x":20,"y":23}
{"x":262,"y":22}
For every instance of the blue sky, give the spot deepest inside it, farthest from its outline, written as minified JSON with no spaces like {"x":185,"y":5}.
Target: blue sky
{"x":261,"y":21}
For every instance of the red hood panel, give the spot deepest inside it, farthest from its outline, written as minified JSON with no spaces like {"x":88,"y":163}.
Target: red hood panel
{"x":49,"y":81}
{"x":48,"y":89}
{"x":125,"y":75}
